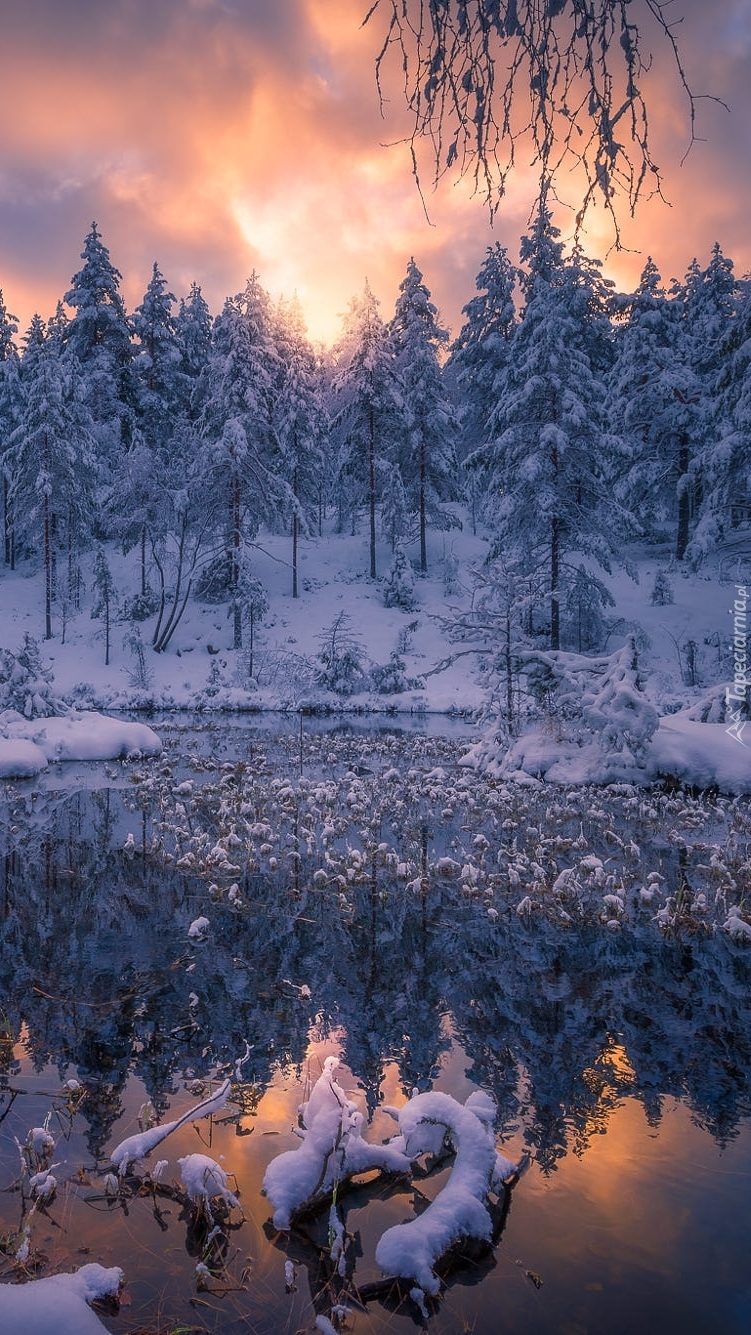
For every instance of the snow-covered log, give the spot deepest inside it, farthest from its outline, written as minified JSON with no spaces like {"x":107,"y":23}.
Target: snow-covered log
{"x":332,"y":1150}
{"x":412,"y":1250}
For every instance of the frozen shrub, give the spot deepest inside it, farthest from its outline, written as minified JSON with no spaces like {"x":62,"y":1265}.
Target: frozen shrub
{"x":662,"y":590}
{"x":391,"y":678}
{"x":400,"y":582}
{"x":342,"y":659}
{"x":25,"y":684}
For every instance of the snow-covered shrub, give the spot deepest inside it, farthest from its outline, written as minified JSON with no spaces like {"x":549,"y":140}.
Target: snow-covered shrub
{"x":205,"y":1181}
{"x":342,"y":659}
{"x":391,"y":678}
{"x":212,"y":584}
{"x":584,"y":626}
{"x":662,"y":590}
{"x":141,"y":606}
{"x":140,"y":674}
{"x":399,"y":590}
{"x":25,"y":684}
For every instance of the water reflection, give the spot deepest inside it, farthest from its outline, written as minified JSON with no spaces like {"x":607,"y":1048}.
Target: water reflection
{"x":352,"y":927}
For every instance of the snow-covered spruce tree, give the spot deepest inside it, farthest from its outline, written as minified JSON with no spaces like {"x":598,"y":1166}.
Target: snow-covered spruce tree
{"x":10,"y":404}
{"x":426,"y":455}
{"x":25,"y":684}
{"x":98,"y":336}
{"x":104,"y":597}
{"x":366,"y":411}
{"x":399,"y":590}
{"x":342,"y":659}
{"x":300,"y":421}
{"x":655,"y":396}
{"x":51,"y":460}
{"x":193,"y":330}
{"x":253,"y":603}
{"x":478,"y":361}
{"x":726,"y":456}
{"x":240,"y":452}
{"x":549,"y":459}
{"x":157,"y":386}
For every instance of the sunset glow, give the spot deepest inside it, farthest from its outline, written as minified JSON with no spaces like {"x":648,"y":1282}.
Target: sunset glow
{"x":218,"y":138}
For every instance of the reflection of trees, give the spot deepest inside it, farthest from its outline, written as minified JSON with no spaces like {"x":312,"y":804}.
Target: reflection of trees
{"x":560,"y":1022}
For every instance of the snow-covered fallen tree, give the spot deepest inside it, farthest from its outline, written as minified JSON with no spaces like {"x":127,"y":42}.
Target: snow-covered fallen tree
{"x":332,"y":1150}
{"x":427,"y":1124}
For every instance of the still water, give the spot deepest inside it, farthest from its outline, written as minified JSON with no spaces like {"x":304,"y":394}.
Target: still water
{"x":366,"y":896}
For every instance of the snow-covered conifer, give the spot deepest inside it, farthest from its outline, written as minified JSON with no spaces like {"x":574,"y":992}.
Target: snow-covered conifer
{"x":547,"y":462}
{"x":426,"y":455}
{"x":299,"y":421}
{"x":367,"y":412}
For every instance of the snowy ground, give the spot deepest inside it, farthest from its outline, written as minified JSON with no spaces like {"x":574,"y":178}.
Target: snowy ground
{"x":682,"y":642}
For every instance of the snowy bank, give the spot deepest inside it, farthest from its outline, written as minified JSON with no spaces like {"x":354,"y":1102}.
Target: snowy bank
{"x":29,"y":745}
{"x":699,"y":755}
{"x":57,"y":1305}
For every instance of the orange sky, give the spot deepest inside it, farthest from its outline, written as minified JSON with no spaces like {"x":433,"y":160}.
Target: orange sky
{"x":219,"y":136}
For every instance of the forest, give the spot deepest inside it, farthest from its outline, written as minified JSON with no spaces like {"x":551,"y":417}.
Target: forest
{"x":570,"y":421}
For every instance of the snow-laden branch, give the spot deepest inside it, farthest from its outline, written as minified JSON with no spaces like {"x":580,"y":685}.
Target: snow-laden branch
{"x":136,"y":1147}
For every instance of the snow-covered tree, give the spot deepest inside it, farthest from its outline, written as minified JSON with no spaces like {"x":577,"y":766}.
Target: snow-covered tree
{"x":342,"y":658}
{"x":547,"y":463}
{"x":241,"y":458}
{"x":366,"y":409}
{"x":10,"y":397}
{"x":98,"y":336}
{"x":655,"y":397}
{"x":300,"y":423}
{"x":400,"y":581}
{"x":52,"y":459}
{"x":193,"y":329}
{"x":426,"y":456}
{"x":104,"y":597}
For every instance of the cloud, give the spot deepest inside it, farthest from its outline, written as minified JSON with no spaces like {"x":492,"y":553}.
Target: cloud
{"x":219,"y":137}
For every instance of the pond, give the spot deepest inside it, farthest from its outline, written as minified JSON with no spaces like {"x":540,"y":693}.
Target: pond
{"x":569,"y":952}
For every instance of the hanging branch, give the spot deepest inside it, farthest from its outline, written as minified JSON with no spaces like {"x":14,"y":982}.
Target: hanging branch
{"x":483,"y":79}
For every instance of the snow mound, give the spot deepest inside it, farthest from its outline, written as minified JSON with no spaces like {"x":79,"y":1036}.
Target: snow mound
{"x":57,"y":1305}
{"x":29,"y":745}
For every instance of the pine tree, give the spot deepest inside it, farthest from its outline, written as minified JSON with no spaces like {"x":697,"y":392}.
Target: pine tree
{"x":99,"y":337}
{"x":366,"y":409}
{"x":241,"y":456}
{"x":52,"y":461}
{"x":479,"y":358}
{"x":546,"y":465}
{"x":10,"y":403}
{"x":299,"y":420}
{"x":655,"y":399}
{"x":428,"y":463}
{"x":104,"y":589}
{"x":193,"y":329}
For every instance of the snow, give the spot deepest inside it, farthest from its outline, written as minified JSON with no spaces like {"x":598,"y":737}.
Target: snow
{"x":332,"y":1149}
{"x":28,"y":746}
{"x":57,"y":1305}
{"x":201,"y":671}
{"x":411,"y":1250}
{"x":205,"y":1180}
{"x":134,"y":1148}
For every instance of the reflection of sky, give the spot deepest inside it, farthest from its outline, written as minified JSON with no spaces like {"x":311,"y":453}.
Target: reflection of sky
{"x":217,"y":138}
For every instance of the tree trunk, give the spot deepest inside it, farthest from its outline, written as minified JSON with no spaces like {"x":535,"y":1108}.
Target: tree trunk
{"x":372,"y":489}
{"x":295,"y":525}
{"x":237,"y":637}
{"x":47,"y":570}
{"x":423,"y":539}
{"x":684,"y":501}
